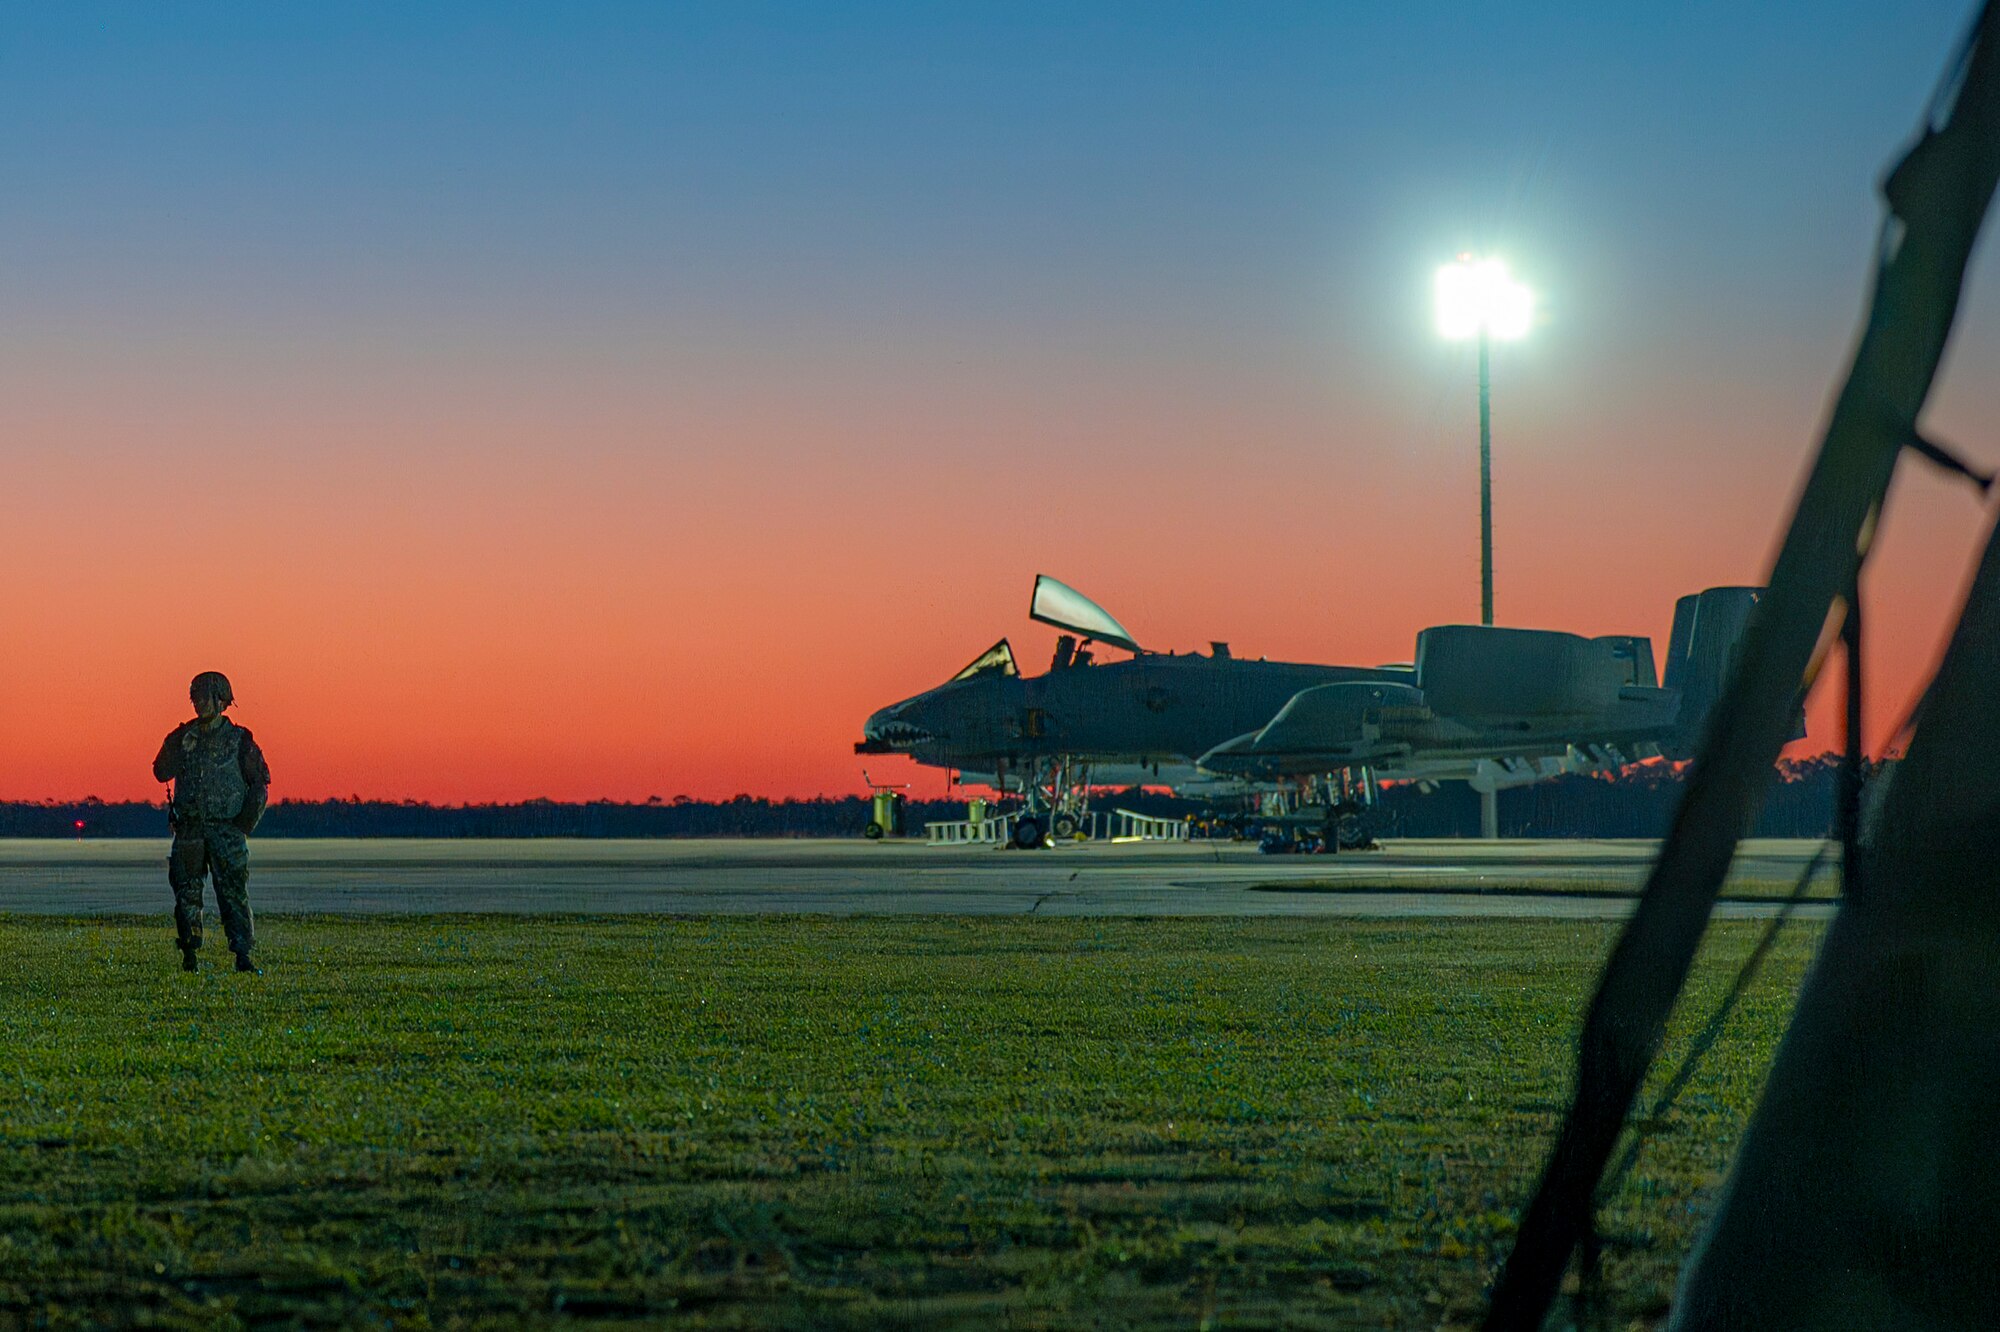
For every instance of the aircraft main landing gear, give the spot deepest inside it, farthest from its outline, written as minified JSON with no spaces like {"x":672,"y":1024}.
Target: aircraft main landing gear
{"x":1350,"y":828}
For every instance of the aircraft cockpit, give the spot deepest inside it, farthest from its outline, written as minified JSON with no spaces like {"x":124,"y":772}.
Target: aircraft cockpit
{"x":997,"y":659}
{"x":1069,"y":654}
{"x":1061,"y":605}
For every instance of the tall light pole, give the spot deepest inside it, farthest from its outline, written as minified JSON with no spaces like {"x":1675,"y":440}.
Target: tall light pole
{"x":1479,"y":298}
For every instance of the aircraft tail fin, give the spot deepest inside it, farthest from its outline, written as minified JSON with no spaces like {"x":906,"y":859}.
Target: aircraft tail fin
{"x":1702,"y":650}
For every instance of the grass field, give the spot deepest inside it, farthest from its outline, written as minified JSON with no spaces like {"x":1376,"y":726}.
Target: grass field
{"x":818,"y":1122}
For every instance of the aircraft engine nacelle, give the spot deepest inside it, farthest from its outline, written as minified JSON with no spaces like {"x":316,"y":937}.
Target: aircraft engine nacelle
{"x":1469,"y":670}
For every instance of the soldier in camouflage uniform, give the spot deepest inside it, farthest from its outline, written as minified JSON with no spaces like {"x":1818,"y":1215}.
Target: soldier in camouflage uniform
{"x":221,"y":785}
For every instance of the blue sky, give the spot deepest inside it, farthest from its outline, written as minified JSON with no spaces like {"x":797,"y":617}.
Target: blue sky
{"x":736,"y":297}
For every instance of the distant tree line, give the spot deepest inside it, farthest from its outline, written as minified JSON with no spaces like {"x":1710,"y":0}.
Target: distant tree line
{"x":1635,"y":803}
{"x":739,"y":816}
{"x":1638,"y":802}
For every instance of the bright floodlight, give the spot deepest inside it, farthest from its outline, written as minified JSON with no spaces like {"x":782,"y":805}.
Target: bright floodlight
{"x":1480,"y":294}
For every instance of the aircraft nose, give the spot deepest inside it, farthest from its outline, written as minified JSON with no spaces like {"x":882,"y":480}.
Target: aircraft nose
{"x":892,"y":728}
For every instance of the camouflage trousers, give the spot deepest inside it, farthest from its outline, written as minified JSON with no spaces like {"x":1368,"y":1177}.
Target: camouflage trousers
{"x":216,"y":850}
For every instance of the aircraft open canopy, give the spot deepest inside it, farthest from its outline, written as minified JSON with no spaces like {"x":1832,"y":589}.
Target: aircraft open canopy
{"x":999,"y":657}
{"x":1061,"y":605}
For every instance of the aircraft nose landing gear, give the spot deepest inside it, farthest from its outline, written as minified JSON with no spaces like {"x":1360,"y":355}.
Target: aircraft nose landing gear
{"x":1055,"y":796}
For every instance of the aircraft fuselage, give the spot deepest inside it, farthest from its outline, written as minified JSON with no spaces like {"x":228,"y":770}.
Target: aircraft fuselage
{"x":1153,"y":708}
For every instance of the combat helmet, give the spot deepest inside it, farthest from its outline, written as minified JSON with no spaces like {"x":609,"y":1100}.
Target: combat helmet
{"x":212,"y":681}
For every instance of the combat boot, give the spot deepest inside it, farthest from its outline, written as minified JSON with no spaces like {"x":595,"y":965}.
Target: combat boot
{"x":243,"y":963}
{"x":190,"y":960}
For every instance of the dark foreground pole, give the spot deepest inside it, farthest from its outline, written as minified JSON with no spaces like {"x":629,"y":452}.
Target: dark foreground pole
{"x":1937,"y":197}
{"x":1485,"y":482}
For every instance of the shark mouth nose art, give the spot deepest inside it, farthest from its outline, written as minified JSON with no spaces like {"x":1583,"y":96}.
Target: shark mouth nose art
{"x":898,"y":733}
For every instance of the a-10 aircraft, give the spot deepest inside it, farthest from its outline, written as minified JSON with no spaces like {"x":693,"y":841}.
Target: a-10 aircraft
{"x":1495,"y":707}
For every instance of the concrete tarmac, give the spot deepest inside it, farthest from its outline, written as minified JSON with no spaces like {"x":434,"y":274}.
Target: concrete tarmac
{"x":1548,"y":879}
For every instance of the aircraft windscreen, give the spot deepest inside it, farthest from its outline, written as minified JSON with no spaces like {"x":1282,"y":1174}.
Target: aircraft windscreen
{"x":1064,"y":607}
{"x":999,"y":657}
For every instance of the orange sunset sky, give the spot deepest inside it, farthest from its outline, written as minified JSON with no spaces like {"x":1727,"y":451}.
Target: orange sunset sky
{"x":627,"y":402}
